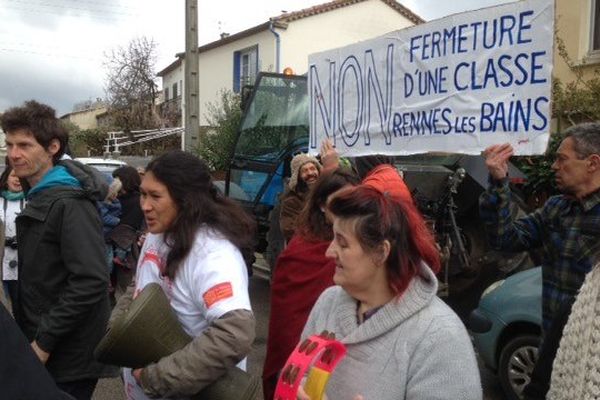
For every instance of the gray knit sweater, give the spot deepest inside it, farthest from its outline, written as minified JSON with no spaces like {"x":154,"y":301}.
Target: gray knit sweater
{"x":576,"y":368}
{"x":413,"y":348}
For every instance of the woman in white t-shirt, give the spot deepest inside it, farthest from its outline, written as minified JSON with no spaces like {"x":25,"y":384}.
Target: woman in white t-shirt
{"x":194,"y":251}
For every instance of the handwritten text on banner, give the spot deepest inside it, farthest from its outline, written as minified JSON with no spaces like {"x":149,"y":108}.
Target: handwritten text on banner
{"x":457,"y":84}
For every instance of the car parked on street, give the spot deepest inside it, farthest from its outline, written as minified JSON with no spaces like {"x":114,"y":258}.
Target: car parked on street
{"x":104,"y":165}
{"x":506,"y":328}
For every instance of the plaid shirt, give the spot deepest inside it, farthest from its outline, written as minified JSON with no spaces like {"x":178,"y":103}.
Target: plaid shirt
{"x":566,"y":229}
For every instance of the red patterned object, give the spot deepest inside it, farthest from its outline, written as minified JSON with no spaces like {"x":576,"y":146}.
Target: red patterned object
{"x":319,"y":354}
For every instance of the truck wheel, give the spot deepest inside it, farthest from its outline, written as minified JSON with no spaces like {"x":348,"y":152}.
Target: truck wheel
{"x":275,"y":240}
{"x":516,"y":364}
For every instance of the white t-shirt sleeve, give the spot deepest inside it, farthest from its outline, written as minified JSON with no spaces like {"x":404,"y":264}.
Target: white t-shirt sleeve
{"x":150,"y":262}
{"x":219,"y":277}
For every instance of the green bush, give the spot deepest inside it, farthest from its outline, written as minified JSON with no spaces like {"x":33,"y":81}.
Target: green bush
{"x":92,"y":140}
{"x":216,"y":144}
{"x":540,"y":176}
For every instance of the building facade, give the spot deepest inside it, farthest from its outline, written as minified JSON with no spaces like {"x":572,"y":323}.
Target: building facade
{"x":282,"y":42}
{"x":578,"y":27}
{"x":87,"y":118}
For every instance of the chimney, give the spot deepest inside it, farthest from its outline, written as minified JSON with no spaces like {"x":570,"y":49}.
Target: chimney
{"x":224,"y":35}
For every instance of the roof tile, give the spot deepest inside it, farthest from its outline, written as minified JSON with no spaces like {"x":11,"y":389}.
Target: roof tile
{"x":332,"y":5}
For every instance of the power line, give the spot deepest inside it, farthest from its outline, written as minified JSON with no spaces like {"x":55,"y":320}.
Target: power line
{"x":38,"y":11}
{"x":53,"y":55}
{"x":28,"y":44}
{"x":73,"y":12}
{"x":66,"y":7}
{"x":100,"y":3}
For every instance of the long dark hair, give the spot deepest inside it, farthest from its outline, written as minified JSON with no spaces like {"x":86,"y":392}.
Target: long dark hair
{"x":383,"y":217}
{"x":129,"y":177}
{"x":312,"y":224}
{"x":190,"y":185}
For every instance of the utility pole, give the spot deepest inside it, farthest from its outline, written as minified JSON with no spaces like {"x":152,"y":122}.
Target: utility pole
{"x":192,"y":102}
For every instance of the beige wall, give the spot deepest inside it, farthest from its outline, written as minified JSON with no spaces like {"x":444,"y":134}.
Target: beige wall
{"x":344,"y":26}
{"x":216,"y":66}
{"x":85,"y":119}
{"x":573,"y":25}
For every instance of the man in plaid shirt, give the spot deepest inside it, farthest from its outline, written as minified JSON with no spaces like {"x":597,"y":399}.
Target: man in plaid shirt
{"x":566,"y":228}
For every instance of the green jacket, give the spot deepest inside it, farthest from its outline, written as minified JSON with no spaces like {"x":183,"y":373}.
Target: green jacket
{"x":63,"y":277}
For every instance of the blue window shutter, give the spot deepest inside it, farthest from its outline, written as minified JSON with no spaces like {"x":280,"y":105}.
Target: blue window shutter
{"x":236,"y":71}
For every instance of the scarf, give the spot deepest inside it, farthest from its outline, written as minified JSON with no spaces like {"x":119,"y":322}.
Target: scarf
{"x":12,"y":196}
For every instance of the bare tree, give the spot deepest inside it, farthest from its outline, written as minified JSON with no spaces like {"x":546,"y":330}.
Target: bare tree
{"x":131,"y":89}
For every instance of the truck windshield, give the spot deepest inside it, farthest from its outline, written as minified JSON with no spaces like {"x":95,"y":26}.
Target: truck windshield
{"x":276,"y":118}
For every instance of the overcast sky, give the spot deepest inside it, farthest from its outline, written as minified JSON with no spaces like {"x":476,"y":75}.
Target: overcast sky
{"x":53,"y":50}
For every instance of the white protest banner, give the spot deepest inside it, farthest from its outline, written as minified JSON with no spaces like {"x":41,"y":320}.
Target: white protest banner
{"x":457,"y":84}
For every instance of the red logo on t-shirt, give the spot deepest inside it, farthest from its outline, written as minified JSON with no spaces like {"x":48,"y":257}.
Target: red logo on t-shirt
{"x":152,"y":256}
{"x":218,"y":292}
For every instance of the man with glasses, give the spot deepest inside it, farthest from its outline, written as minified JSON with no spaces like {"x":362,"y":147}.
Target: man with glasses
{"x":566,"y":228}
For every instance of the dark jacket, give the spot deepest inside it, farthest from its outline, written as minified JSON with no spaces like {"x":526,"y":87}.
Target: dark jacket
{"x":131,"y":211}
{"x":63,"y":280}
{"x":21,"y":374}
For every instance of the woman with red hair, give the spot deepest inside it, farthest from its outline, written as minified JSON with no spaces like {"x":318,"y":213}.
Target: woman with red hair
{"x":403,"y":342}
{"x":302,"y":273}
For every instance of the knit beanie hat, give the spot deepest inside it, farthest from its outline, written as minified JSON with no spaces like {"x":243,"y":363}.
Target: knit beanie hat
{"x":576,"y":368}
{"x":297,"y":162}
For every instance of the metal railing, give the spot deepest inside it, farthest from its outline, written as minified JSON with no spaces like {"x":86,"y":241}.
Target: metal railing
{"x":119,"y":139}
